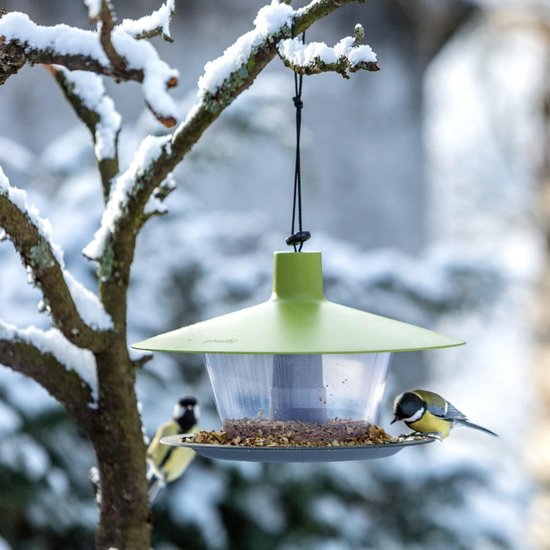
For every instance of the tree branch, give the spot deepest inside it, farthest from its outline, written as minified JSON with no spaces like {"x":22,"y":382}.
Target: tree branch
{"x":126,"y":58}
{"x":106,"y":24}
{"x":14,"y":55}
{"x":156,"y":24}
{"x":86,"y":93}
{"x":44,"y":262}
{"x":21,"y":354}
{"x":348,"y":56}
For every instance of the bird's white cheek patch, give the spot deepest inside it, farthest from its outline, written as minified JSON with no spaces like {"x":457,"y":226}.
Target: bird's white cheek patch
{"x":178,"y":411}
{"x":416,"y":416}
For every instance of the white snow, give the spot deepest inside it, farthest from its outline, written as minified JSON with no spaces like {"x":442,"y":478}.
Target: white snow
{"x":89,"y":88}
{"x":159,"y":19}
{"x":150,"y":150}
{"x":306,"y":55}
{"x":90,"y":309}
{"x":140,"y":54}
{"x":94,"y":7}
{"x":52,"y":341}
{"x":20,"y":199}
{"x":87,"y":304}
{"x":270,"y":20}
{"x":4,"y":183}
{"x":62,"y":39}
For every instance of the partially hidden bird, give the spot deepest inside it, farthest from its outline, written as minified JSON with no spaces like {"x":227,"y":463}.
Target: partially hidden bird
{"x":428,"y":413}
{"x":166,"y":463}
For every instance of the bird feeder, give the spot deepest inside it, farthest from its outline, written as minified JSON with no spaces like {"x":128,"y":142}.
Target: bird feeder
{"x":298,"y":359}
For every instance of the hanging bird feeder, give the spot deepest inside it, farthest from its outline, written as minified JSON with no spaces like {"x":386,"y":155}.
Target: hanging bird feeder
{"x":297,"y":363}
{"x":297,"y":378}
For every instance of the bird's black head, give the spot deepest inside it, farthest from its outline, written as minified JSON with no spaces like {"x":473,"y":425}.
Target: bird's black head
{"x":186,"y":413}
{"x":408,"y":406}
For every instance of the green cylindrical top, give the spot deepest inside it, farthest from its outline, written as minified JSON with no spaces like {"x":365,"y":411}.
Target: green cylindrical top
{"x":298,"y":319}
{"x":297,"y":276}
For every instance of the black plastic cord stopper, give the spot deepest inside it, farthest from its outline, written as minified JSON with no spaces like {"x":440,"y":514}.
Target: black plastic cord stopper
{"x":298,"y":238}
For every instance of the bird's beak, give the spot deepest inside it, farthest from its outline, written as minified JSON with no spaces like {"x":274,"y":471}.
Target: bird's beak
{"x":395,"y":419}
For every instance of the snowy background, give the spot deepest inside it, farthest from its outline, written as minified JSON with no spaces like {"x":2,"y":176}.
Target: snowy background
{"x":421,"y":187}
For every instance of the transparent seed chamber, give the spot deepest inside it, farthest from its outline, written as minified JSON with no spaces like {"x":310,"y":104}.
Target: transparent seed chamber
{"x":267,"y":393}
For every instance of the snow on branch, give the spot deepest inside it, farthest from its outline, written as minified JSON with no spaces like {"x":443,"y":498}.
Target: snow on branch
{"x":75,"y":310}
{"x":86,"y":93}
{"x":52,"y":342}
{"x":67,"y":372}
{"x":151,"y":151}
{"x":23,"y":41}
{"x":94,"y":7}
{"x":223,"y":74}
{"x":156,"y":24}
{"x":316,"y":57}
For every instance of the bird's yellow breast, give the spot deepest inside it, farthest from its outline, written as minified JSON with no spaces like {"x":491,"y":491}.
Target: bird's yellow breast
{"x":429,"y":423}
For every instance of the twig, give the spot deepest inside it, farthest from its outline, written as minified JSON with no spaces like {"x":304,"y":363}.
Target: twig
{"x":106,"y":24}
{"x":97,"y":112}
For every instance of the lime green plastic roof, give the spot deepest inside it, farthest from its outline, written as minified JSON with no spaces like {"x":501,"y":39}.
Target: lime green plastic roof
{"x":298,"y":319}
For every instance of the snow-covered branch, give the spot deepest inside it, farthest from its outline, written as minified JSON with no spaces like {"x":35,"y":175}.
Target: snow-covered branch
{"x":128,"y":187}
{"x":224,"y":75}
{"x":86,"y":93}
{"x":24,"y":42}
{"x":156,"y":24}
{"x":348,"y":56}
{"x":67,"y":372}
{"x":75,"y":310}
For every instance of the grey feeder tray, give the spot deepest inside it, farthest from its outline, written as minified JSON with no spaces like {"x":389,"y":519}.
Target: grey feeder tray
{"x":293,"y":454}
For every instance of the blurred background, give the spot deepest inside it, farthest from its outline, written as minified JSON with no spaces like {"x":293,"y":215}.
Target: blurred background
{"x":426,"y":187}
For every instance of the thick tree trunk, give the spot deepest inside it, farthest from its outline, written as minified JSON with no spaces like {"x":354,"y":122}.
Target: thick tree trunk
{"x":120,"y":449}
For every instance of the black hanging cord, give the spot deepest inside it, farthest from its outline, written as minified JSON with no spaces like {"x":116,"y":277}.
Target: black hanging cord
{"x":297,"y":239}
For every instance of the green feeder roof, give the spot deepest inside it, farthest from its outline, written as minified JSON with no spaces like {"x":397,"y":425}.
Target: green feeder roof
{"x":298,"y":319}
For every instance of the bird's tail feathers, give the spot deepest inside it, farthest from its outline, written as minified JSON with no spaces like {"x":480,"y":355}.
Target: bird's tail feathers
{"x":469,"y":424}
{"x":156,"y":482}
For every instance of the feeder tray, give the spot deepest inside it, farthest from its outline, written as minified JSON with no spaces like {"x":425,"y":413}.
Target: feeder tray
{"x":295,"y":454}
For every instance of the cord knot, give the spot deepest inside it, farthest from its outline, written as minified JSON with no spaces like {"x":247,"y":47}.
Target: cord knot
{"x":298,"y":103}
{"x":298,"y":239}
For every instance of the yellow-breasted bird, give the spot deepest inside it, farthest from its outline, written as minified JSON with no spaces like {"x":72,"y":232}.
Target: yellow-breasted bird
{"x":428,"y":413}
{"x":166,"y":463}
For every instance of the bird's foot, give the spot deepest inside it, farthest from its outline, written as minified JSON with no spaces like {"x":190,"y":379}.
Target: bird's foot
{"x":431,"y":435}
{"x":412,"y":436}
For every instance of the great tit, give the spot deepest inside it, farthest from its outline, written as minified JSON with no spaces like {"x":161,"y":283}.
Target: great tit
{"x":428,"y":413}
{"x":165,"y":463}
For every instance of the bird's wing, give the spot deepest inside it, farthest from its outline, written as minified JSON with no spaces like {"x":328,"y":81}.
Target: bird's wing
{"x":439,"y":406}
{"x":453,"y":413}
{"x":157,"y":451}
